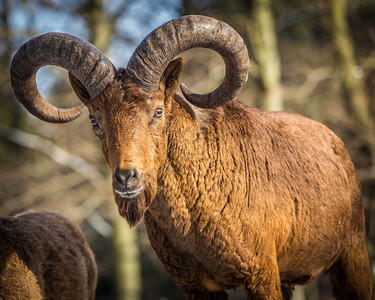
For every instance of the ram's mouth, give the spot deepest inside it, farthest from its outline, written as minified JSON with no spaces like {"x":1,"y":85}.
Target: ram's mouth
{"x":130,"y":194}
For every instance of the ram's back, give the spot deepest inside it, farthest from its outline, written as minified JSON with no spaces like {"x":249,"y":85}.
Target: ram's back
{"x":302,"y":182}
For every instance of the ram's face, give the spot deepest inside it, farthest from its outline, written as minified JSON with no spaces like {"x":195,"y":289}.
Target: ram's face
{"x":131,"y":127}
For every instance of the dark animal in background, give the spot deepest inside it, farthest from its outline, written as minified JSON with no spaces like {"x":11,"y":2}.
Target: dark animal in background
{"x":45,"y":256}
{"x":230,"y":195}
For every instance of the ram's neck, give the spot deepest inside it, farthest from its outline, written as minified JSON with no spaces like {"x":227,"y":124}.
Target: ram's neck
{"x":184,"y":169}
{"x":189,"y":148}
{"x":187,"y":180}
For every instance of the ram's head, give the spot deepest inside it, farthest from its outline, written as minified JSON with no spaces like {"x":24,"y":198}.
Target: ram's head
{"x":130,"y":108}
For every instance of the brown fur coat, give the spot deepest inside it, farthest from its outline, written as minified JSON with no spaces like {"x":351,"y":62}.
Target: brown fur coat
{"x":44,"y":256}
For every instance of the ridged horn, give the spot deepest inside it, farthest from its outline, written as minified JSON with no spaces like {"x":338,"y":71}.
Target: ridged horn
{"x":155,"y":52}
{"x":77,"y":56}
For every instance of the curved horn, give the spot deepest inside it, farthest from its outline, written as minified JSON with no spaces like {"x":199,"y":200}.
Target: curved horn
{"x":154,"y":53}
{"x":77,"y":56}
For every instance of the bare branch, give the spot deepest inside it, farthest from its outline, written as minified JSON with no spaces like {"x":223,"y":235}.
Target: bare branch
{"x":50,"y":149}
{"x":313,"y":79}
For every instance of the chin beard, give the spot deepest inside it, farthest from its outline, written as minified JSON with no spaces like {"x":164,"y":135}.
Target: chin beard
{"x":134,"y":211}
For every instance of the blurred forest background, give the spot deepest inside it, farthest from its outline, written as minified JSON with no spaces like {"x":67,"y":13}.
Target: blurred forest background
{"x":315,"y":58}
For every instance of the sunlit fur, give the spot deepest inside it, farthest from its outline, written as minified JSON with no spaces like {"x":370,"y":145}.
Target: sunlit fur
{"x":235,"y":195}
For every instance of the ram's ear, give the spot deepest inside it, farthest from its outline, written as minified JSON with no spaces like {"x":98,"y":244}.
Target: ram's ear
{"x":171,"y":76}
{"x":79,"y":89}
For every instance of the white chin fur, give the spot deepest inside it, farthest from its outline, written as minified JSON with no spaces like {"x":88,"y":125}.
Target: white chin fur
{"x":130,"y":194}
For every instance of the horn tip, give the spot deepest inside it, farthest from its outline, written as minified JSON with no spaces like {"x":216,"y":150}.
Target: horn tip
{"x":199,"y":100}
{"x":185,"y":90}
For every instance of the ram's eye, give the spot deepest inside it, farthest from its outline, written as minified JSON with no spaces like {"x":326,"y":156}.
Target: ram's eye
{"x":99,"y":132}
{"x":93,"y":120}
{"x":158,"y":113}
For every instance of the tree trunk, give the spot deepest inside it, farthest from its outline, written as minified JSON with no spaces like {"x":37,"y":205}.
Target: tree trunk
{"x":100,"y":25}
{"x":9,"y":110}
{"x":264,"y":43}
{"x":128,"y":269}
{"x":352,"y":86}
{"x":355,"y":100}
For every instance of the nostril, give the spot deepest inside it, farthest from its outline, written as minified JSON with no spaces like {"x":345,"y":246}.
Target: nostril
{"x":120,"y":178}
{"x":130,"y":174}
{"x":127,"y":178}
{"x":133,"y":174}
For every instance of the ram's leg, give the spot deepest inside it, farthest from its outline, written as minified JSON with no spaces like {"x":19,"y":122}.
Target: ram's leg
{"x":351,"y":275}
{"x":205,"y":295}
{"x":265,"y":284}
{"x":287,"y":291}
{"x":222,"y":295}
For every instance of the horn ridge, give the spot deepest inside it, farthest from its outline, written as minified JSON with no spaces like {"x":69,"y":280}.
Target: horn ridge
{"x":77,"y":56}
{"x":180,"y":34}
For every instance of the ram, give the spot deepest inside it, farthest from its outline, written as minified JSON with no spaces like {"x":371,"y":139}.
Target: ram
{"x":44,"y":256}
{"x":230,"y":195}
